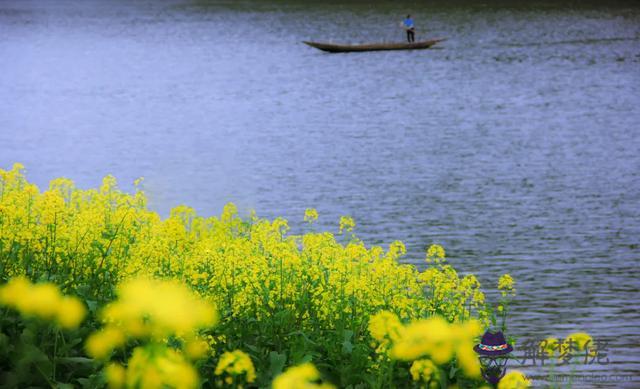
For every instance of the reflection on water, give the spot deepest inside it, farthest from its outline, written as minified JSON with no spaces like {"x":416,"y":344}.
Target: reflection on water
{"x":515,"y":145}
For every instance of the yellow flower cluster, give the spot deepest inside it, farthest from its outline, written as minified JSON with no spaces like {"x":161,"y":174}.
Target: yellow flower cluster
{"x":514,"y":379}
{"x":153,"y":309}
{"x":506,"y":285}
{"x":550,"y":346}
{"x":434,"y":338}
{"x":580,"y":341}
{"x":43,"y":301}
{"x":424,"y":370}
{"x":347,"y":224}
{"x":385,"y":325}
{"x":196,"y":348}
{"x":236,"y":363}
{"x":100,"y":344}
{"x":435,"y":253}
{"x":451,"y":296}
{"x":310,"y":215}
{"x":147,"y":307}
{"x":249,"y":268}
{"x":153,"y":367}
{"x":304,"y":376}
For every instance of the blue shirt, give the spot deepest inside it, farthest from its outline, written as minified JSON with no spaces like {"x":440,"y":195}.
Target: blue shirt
{"x":408,"y":23}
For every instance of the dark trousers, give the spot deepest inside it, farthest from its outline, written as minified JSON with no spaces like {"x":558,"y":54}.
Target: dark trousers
{"x":411,"y":35}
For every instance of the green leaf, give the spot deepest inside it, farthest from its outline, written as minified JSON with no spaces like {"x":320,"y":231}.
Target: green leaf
{"x":75,"y":360}
{"x":347,"y":347}
{"x":29,"y":357}
{"x":92,"y":305}
{"x":5,"y":346}
{"x":276,"y":363}
{"x":96,"y":380}
{"x":27,"y":336}
{"x":452,"y":371}
{"x":347,"y":334}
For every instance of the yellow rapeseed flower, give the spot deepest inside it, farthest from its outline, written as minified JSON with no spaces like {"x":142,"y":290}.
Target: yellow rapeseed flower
{"x":310,"y":215}
{"x":430,"y":337}
{"x":196,"y":348}
{"x":396,"y":249}
{"x":385,"y":325}
{"x":304,"y":376}
{"x":236,"y":363}
{"x":514,"y":379}
{"x":580,"y":339}
{"x":440,"y":341}
{"x":147,"y":307}
{"x":247,"y":268}
{"x":550,"y":346}
{"x":115,"y":375}
{"x":468,"y":359}
{"x":159,"y":367}
{"x":70,"y":312}
{"x":100,"y":344}
{"x":435,"y":253}
{"x":43,"y":301}
{"x":424,"y":370}
{"x":347,"y":224}
{"x":506,"y":285}
{"x":13,"y":293}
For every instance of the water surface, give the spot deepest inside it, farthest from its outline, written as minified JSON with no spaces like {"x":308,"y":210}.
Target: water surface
{"x":515,"y":144}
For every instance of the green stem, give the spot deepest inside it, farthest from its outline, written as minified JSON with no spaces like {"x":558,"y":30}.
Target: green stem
{"x":51,"y":384}
{"x":55,"y":355}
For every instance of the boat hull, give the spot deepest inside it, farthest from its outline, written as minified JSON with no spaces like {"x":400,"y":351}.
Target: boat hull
{"x":339,"y":48}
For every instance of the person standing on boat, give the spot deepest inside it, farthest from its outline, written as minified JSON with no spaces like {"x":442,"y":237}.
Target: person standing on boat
{"x":409,"y":27}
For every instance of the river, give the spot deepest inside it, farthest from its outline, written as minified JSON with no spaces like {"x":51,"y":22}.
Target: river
{"x":514,"y":144}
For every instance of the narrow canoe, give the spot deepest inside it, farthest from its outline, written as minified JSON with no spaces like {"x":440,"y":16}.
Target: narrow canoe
{"x":338,"y":48}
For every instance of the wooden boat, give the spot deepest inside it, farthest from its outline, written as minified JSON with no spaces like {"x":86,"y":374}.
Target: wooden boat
{"x":340,"y":48}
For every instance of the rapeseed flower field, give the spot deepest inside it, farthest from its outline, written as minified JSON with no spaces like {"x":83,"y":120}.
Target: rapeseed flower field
{"x":98,"y":290}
